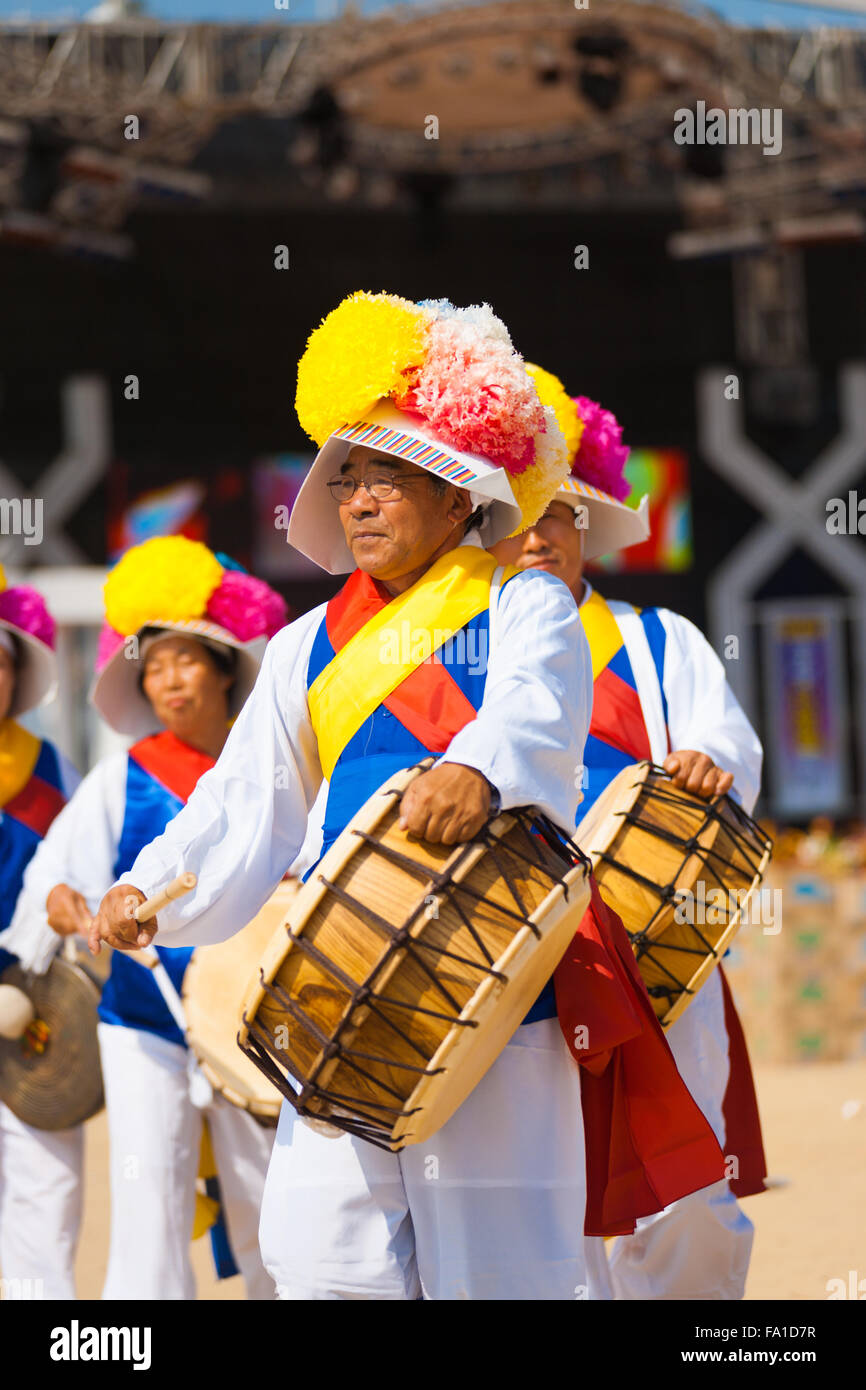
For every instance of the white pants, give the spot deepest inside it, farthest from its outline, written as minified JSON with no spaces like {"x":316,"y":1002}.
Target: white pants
{"x":155,"y":1137}
{"x":490,"y":1207}
{"x":40,"y":1208}
{"x":699,"y":1247}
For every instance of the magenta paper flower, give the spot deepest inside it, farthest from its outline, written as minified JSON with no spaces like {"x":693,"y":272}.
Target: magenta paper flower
{"x":601,"y":455}
{"x":247,"y":607}
{"x":109,"y":641}
{"x":24,"y":608}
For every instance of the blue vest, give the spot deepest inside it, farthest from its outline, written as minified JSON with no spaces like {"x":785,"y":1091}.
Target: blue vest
{"x":19,"y":843}
{"x":383,"y":746}
{"x":131,"y":997}
{"x":601,"y":760}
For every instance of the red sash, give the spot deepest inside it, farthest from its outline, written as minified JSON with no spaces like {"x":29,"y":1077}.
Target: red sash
{"x":36,"y":805}
{"x":617,"y":718}
{"x":429,"y":702}
{"x":171,"y":762}
{"x":647,"y":1143}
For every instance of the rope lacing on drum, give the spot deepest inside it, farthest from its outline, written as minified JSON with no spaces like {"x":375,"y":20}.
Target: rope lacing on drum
{"x":642,"y":942}
{"x":537,"y":831}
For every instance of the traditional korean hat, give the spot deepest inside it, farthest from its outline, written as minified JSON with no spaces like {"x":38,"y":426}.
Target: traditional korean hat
{"x":28,"y":629}
{"x":436,"y":386}
{"x":598,"y":457}
{"x":178,"y":585}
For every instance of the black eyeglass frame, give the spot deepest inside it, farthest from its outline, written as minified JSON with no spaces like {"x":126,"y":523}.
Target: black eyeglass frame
{"x":336,"y":485}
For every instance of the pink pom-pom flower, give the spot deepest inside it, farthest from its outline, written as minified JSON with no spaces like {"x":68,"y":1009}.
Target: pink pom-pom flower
{"x":24,"y":608}
{"x":246,"y":607}
{"x":475,"y":393}
{"x":109,"y":641}
{"x":601,"y":455}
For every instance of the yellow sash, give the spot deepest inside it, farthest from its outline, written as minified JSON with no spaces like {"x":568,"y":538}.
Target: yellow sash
{"x":19,"y":751}
{"x":602,"y":632}
{"x":394,"y":643}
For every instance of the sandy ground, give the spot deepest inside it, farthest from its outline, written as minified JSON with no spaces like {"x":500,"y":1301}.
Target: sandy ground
{"x":807,"y":1232}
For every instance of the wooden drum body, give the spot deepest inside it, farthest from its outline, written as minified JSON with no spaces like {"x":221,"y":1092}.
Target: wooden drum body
{"x":679,"y":871}
{"x":403,"y":968}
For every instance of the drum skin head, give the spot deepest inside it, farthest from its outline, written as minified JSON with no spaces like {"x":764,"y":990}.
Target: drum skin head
{"x":51,"y":1077}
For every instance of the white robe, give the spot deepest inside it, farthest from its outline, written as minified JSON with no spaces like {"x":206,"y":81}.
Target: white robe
{"x":154,"y":1127}
{"x":699,"y":1247}
{"x":40,"y":1174}
{"x":493,"y":1206}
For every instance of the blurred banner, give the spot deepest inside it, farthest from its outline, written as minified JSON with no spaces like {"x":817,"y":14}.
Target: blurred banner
{"x":168,"y":511}
{"x":276,"y":483}
{"x":806,"y":738}
{"x":663,"y":475}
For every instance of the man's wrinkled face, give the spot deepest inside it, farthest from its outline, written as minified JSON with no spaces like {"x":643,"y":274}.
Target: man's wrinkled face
{"x":554,"y":544}
{"x":397,"y":518}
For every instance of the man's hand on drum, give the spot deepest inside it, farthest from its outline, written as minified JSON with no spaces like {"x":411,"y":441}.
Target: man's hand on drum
{"x":67,"y":910}
{"x":447,"y":805}
{"x":697,"y":773}
{"x":115,"y":921}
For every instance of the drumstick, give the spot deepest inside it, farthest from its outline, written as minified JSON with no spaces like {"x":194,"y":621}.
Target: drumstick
{"x":184,"y":883}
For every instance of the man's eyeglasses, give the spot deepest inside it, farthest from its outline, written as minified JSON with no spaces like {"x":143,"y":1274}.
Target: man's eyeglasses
{"x":378,"y":485}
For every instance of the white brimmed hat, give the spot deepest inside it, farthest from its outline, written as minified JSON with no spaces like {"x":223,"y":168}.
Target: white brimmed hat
{"x":611,"y":525}
{"x":436,"y":386}
{"x":597,"y":456}
{"x":24,"y":616}
{"x":116,"y":691}
{"x":178,"y":586}
{"x":315,"y":527}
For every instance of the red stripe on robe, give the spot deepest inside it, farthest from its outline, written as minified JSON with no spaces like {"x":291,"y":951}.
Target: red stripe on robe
{"x":429,"y":702}
{"x":647,"y":1143}
{"x":617,"y":717}
{"x":36,"y":805}
{"x":174,"y":764}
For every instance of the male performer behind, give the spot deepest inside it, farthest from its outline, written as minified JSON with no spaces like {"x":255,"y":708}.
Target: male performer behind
{"x":40,"y":1169}
{"x":180,"y":650}
{"x":658,"y":685}
{"x":341,"y":1218}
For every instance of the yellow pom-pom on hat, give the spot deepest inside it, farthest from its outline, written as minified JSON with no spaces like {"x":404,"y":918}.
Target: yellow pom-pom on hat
{"x":552,"y":392}
{"x":167,"y":579}
{"x":535,"y":488}
{"x":366,"y":349}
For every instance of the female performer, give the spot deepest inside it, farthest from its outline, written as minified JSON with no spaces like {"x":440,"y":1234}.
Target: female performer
{"x":184,"y":638}
{"x":40,"y":1205}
